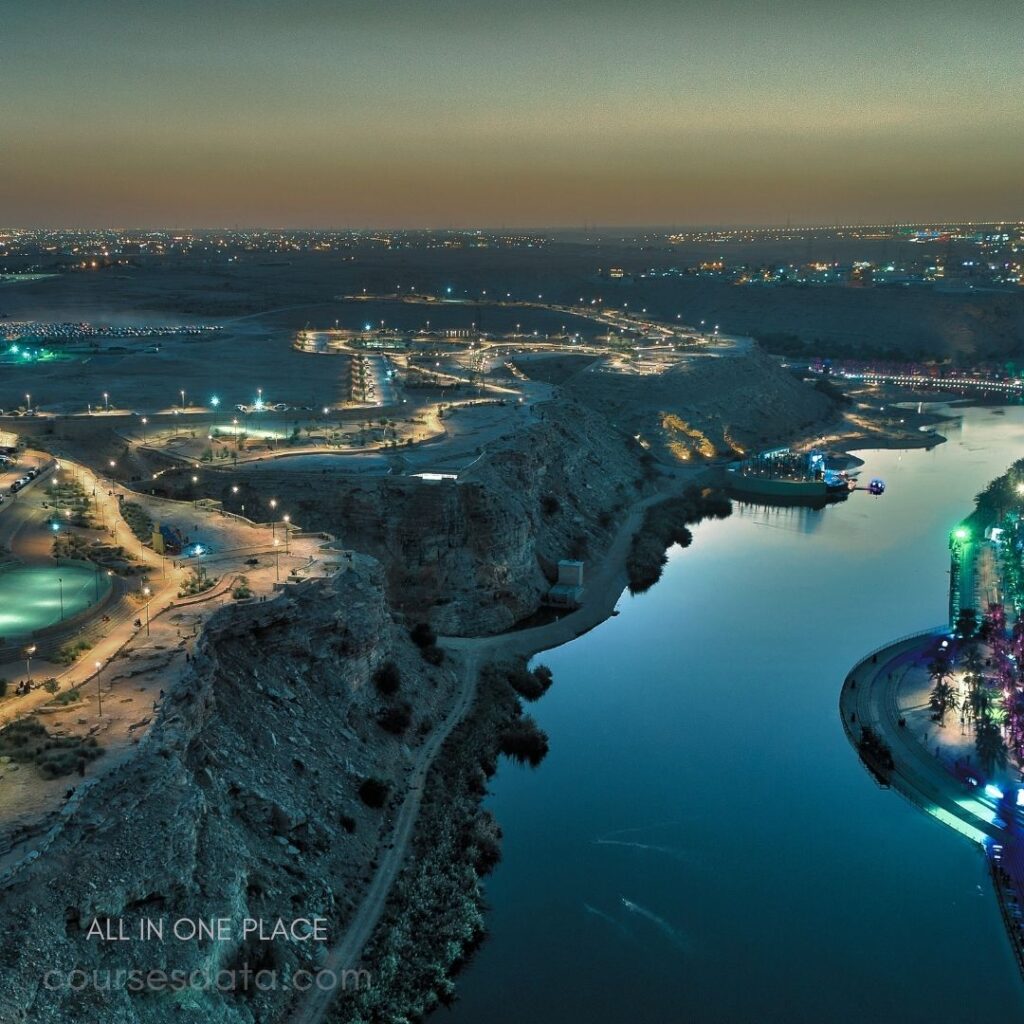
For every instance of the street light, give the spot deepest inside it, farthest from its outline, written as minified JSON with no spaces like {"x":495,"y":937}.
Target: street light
{"x":106,"y":401}
{"x":273,"y":521}
{"x":182,"y":392}
{"x":146,"y":592}
{"x":144,"y":422}
{"x":99,"y":693}
{"x":60,"y":585}
{"x":29,"y":651}
{"x":28,"y":403}
{"x":287,"y":519}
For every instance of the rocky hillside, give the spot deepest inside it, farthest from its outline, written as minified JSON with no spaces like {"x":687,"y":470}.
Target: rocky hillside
{"x":704,"y":407}
{"x":247,"y":798}
{"x":476,"y":555}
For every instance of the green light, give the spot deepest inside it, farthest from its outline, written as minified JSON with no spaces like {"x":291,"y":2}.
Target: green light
{"x":962,"y":533}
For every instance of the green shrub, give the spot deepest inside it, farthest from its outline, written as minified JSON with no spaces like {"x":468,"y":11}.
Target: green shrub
{"x":432,"y":654}
{"x":373,"y":792}
{"x":396,"y":719}
{"x":387,"y":678}
{"x":70,"y":653}
{"x":137,"y":519}
{"x":422,"y":635}
{"x":530,"y":685}
{"x":524,"y":741}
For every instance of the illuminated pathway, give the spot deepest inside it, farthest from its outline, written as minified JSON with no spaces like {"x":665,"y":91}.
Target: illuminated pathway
{"x":876,"y":694}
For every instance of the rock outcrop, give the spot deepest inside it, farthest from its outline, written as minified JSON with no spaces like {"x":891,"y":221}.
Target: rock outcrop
{"x":242,"y":802}
{"x":476,"y":555}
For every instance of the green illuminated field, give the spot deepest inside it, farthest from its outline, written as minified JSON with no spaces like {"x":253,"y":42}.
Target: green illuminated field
{"x":30,"y":598}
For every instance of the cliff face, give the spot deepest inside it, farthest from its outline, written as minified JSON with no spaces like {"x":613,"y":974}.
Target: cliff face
{"x":242,"y":802}
{"x":476,"y":556}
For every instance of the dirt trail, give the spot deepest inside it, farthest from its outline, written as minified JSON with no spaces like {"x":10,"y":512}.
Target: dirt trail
{"x":603,"y":590}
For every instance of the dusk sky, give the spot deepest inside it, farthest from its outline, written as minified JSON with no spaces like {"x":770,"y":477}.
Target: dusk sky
{"x":435,"y":113}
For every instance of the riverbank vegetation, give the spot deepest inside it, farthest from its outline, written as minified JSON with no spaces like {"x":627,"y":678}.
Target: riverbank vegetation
{"x":666,"y":524}
{"x":530,"y":684}
{"x":434,"y":918}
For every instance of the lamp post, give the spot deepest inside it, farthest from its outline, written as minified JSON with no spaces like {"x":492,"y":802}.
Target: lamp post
{"x":60,"y":585}
{"x":146,"y":592}
{"x":277,"y":560}
{"x":195,"y":500}
{"x":144,"y":422}
{"x":287,"y":519}
{"x":28,"y":403}
{"x":99,"y":692}
{"x":29,"y":651}
{"x":273,"y":521}
{"x":182,"y":399}
{"x":106,"y":402}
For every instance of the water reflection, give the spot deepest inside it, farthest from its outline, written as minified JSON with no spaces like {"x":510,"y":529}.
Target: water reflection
{"x":798,"y":518}
{"x":702,"y":843}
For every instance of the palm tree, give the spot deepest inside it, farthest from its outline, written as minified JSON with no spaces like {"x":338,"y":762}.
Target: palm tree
{"x":942,"y":699}
{"x":939,"y":667}
{"x":972,"y":660}
{"x":988,"y":742}
{"x":979,"y":697}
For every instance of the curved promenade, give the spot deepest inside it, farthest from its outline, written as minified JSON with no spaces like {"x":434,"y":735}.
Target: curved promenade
{"x":871,"y":697}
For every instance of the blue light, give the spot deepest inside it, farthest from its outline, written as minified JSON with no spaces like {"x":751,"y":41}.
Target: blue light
{"x":994,"y":792}
{"x":215,"y":401}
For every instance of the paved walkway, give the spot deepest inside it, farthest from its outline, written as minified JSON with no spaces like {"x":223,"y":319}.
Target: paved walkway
{"x":144,"y":651}
{"x":882,"y":692}
{"x":871,"y":696}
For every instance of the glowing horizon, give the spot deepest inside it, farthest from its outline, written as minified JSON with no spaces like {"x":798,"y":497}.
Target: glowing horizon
{"x":465,"y":113}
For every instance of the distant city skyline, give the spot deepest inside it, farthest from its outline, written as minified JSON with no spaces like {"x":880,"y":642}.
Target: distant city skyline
{"x":484,"y":114}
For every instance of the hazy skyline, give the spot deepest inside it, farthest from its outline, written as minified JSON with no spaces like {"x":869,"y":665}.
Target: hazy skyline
{"x":458,"y":113}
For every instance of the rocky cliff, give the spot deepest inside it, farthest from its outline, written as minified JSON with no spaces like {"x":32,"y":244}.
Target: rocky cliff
{"x":243,"y":801}
{"x":476,"y":556}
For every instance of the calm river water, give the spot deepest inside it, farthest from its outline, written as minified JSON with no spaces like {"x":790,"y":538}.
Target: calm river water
{"x":702,"y":843}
